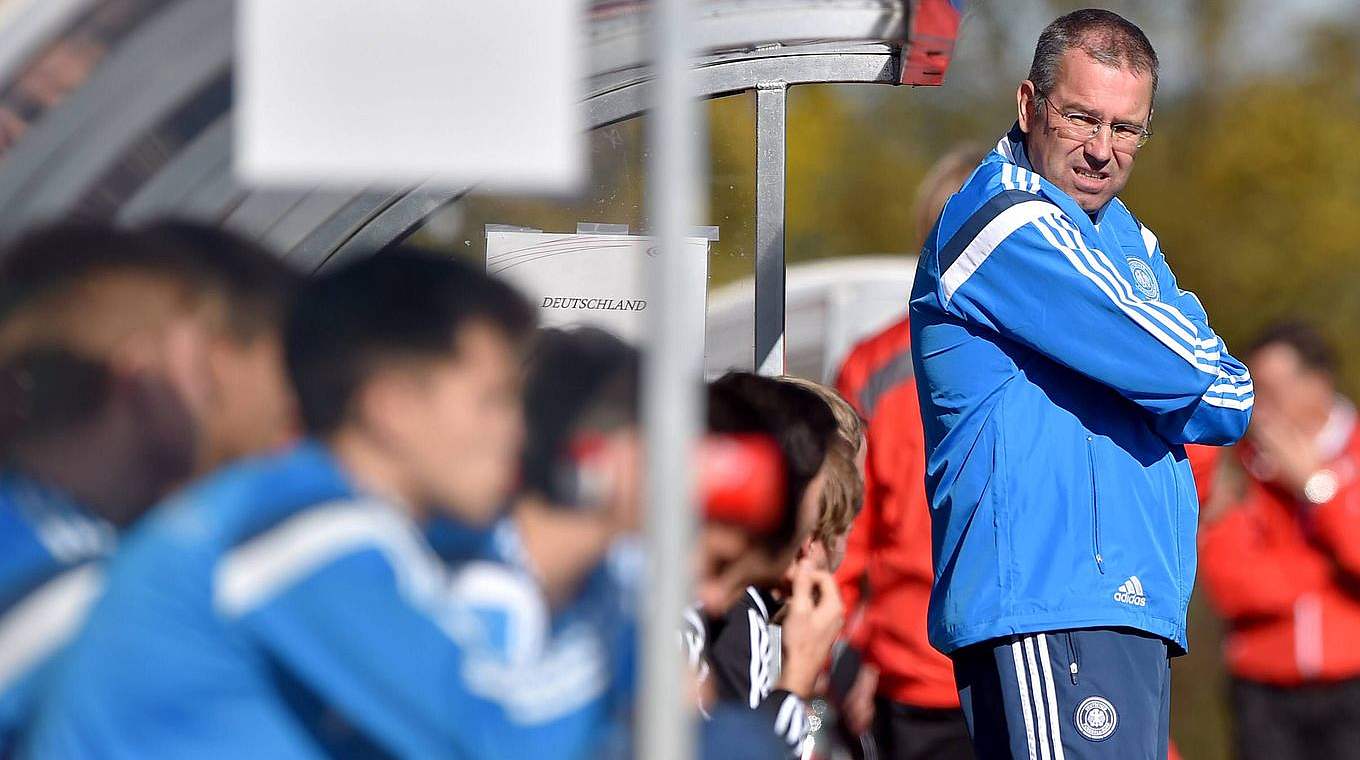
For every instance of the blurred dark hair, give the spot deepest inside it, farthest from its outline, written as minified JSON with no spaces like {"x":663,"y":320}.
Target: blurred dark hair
{"x":47,"y":389}
{"x":254,"y":284}
{"x":1314,"y":350}
{"x":800,"y":422}
{"x":47,"y":392}
{"x":388,"y":308}
{"x":257,"y":285}
{"x":579,"y":380}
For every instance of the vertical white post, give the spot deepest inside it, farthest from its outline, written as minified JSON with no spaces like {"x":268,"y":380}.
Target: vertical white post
{"x":771,"y":108}
{"x":673,"y":404}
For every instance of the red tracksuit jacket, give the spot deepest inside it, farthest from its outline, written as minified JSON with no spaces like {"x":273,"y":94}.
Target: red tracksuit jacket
{"x":1285,"y":575}
{"x":888,"y":555}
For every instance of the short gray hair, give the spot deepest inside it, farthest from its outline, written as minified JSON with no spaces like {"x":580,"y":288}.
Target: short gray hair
{"x":1107,"y":37}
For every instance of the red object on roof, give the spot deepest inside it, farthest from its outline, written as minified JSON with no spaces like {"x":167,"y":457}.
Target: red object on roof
{"x":933,"y":27}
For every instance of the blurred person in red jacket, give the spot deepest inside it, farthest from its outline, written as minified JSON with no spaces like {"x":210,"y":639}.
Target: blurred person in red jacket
{"x":1280,"y":556}
{"x":905,"y":692}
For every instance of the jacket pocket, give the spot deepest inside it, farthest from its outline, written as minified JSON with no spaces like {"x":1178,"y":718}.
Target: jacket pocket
{"x":1095,"y":505}
{"x":1073,"y":657}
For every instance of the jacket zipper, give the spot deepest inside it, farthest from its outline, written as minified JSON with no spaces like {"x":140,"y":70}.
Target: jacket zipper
{"x":1072,"y":657}
{"x":1181,"y":596}
{"x":1095,"y":505}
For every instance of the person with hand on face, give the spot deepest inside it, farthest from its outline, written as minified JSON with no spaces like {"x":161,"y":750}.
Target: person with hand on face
{"x":738,"y":648}
{"x":732,"y":555}
{"x":117,"y":350}
{"x":292,"y":605}
{"x":1061,"y":371}
{"x":1280,"y":556}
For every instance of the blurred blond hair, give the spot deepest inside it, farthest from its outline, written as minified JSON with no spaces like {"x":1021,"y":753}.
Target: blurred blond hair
{"x":843,"y":492}
{"x":943,"y":179}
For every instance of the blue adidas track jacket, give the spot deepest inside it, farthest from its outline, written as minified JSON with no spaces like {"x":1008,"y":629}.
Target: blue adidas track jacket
{"x":1060,"y":371}
{"x":51,"y":553}
{"x":273,"y":611}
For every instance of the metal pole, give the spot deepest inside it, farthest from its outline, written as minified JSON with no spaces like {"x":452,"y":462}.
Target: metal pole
{"x":771,"y":102}
{"x":673,"y":404}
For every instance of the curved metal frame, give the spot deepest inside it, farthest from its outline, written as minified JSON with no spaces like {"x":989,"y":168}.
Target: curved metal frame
{"x":71,"y":147}
{"x":626,"y":99}
{"x":199,"y":184}
{"x":68,"y":152}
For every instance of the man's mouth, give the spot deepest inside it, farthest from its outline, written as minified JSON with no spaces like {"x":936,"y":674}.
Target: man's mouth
{"x":1090,"y":180}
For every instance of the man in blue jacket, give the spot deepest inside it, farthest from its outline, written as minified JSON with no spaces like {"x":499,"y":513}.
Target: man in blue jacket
{"x":294,"y":606}
{"x":1061,"y":372}
{"x":127,"y":358}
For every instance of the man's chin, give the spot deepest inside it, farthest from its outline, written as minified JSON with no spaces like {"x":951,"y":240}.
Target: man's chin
{"x":1088,"y":201}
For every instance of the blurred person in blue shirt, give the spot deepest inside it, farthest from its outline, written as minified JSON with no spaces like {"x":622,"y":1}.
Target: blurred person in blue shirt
{"x":127,"y":360}
{"x":294,"y":606}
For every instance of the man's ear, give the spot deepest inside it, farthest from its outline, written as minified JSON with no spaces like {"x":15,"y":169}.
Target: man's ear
{"x":1026,"y":98}
{"x":391,"y":403}
{"x":382,"y":402}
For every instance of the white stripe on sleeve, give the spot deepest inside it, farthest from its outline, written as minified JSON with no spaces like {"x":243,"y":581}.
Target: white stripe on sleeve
{"x":1170,"y":318}
{"x":46,"y":619}
{"x":1232,"y":389}
{"x":1149,"y":240}
{"x":1052,"y":232}
{"x":1240,"y":405}
{"x":533,"y":677}
{"x":756,"y":668}
{"x":981,"y":246}
{"x":265,"y":566}
{"x":797,"y":725}
{"x":785,"y":717}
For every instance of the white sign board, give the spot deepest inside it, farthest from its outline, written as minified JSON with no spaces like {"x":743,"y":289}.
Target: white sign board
{"x":596,"y":280}
{"x":398,"y":92}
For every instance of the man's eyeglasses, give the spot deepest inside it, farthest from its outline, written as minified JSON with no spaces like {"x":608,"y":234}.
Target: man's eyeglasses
{"x":1076,"y":125}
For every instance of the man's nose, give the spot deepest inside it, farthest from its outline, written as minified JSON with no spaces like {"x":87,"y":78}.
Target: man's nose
{"x":1100,"y":148}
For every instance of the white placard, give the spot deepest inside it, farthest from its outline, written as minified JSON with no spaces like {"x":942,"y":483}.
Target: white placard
{"x":597,"y":280}
{"x":397,"y":92}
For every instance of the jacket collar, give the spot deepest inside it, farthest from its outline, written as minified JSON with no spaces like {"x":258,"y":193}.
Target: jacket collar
{"x":1011,"y":147}
{"x":68,"y":531}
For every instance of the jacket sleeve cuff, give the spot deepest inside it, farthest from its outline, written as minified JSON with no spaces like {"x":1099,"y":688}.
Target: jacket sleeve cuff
{"x":788,"y":715}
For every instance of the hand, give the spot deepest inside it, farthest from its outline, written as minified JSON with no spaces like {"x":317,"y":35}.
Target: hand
{"x":811,"y":626}
{"x":1229,"y":487}
{"x":858,"y":707}
{"x":1288,"y":451}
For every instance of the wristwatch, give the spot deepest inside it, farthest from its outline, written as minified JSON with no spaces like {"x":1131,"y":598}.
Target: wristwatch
{"x":1321,"y":487}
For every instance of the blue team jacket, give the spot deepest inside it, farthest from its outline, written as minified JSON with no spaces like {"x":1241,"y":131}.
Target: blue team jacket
{"x":50,"y":567}
{"x":1060,"y":370}
{"x":273,"y":611}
